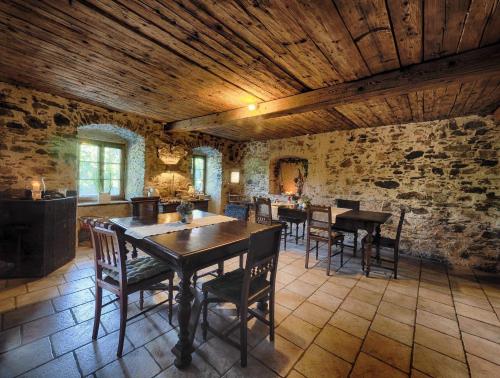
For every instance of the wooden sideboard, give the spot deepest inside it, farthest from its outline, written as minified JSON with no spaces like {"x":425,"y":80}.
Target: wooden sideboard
{"x":170,"y":207}
{"x":36,"y":237}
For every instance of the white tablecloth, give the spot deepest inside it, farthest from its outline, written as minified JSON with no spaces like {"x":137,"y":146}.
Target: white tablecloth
{"x":142,"y":232}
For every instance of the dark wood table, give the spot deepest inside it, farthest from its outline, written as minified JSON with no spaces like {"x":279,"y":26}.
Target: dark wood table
{"x":369,"y":221}
{"x":188,"y":251}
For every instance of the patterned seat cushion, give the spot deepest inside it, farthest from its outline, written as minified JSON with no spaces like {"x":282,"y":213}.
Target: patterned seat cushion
{"x":229,"y":285}
{"x":140,"y":269}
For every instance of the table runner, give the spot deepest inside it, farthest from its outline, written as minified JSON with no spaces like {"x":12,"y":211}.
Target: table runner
{"x":165,"y":228}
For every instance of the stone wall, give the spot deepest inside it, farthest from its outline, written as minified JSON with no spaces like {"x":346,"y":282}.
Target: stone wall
{"x":38,"y":138}
{"x":445,"y":172}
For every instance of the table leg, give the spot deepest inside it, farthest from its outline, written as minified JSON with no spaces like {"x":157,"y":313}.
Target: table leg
{"x":184,"y":347}
{"x":296,"y":233}
{"x":368,"y":250}
{"x":377,"y":238}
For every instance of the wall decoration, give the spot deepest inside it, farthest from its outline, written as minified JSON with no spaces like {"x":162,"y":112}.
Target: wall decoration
{"x":290,"y":174}
{"x":171,"y":155}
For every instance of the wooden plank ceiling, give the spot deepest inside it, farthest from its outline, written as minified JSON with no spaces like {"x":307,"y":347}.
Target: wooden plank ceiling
{"x":175,"y":60}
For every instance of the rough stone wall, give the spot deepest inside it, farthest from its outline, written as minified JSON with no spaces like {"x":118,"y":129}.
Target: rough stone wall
{"x":444,"y":172}
{"x":38,"y":138}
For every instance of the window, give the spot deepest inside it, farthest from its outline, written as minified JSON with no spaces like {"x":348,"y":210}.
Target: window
{"x":100,"y":169}
{"x":198,"y":168}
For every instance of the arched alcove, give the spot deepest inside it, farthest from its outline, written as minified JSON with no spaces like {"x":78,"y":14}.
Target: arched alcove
{"x":135,"y":152}
{"x":213,"y":176}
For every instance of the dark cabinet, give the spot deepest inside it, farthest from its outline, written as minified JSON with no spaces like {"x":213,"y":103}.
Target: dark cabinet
{"x":36,"y":237}
{"x":170,"y":207}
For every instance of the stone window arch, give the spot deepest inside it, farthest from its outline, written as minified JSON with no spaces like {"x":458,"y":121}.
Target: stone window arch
{"x":135,"y":152}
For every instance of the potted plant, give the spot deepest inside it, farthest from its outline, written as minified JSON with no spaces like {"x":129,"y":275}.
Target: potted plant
{"x":185,"y":210}
{"x":306,"y":201}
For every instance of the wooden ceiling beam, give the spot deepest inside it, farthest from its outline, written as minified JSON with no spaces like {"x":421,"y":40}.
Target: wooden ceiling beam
{"x":465,"y":67}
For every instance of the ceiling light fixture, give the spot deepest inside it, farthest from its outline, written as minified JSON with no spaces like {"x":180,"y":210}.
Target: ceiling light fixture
{"x":252,"y":107}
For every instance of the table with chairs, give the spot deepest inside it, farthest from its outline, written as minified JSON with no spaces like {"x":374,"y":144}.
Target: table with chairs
{"x":186,"y":253}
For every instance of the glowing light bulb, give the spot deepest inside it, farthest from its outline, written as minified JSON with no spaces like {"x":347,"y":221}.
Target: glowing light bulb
{"x":252,"y":107}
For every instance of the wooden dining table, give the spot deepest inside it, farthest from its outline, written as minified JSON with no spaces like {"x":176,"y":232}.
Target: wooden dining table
{"x":188,"y":251}
{"x":370,"y":221}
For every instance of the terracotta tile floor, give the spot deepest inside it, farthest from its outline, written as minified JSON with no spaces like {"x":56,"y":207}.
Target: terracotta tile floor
{"x":431,"y":321}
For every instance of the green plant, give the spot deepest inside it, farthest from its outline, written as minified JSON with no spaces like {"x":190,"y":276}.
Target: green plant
{"x":185,"y":208}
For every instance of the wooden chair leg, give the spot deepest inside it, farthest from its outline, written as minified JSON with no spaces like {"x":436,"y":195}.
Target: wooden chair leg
{"x":123,"y":323}
{"x":204,"y":324}
{"x":396,"y":261}
{"x":284,"y":243}
{"x":141,"y":300}
{"x":342,"y":252}
{"x":329,"y":258}
{"x":308,"y":247}
{"x":317,"y":249}
{"x":355,"y":243}
{"x":243,"y":335}
{"x":97,"y":312}
{"x":170,"y":299}
{"x":271,"y":316}
{"x":241,"y":261}
{"x":362,"y":256}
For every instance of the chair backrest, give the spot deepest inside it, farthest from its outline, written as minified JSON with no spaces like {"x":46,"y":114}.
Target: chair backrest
{"x":108,"y":253}
{"x":236,"y":211}
{"x":263,"y":211}
{"x":262,"y":258}
{"x":145,"y":207}
{"x":348,"y":204}
{"x":400,"y":226}
{"x":319,"y":218}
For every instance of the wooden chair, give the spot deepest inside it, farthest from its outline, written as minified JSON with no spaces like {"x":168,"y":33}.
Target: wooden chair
{"x":353,"y":205}
{"x":145,"y":207}
{"x":244,"y":287}
{"x":319,"y":229}
{"x":122,"y":277}
{"x":386,"y":243}
{"x":264,"y":215}
{"x":239,"y":212}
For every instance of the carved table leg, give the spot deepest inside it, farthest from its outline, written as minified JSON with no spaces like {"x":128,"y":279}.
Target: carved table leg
{"x":184,"y":347}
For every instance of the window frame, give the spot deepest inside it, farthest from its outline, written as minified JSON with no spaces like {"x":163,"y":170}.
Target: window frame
{"x":204,"y":157}
{"x":102,"y":144}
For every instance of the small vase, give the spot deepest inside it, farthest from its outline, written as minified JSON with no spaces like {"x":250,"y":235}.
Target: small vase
{"x":186,"y":218}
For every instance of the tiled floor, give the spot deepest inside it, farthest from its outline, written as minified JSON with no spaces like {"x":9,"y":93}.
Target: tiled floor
{"x":431,"y":321}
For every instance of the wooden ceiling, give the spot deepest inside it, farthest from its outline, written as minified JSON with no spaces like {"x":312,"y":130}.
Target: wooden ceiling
{"x":176,"y":60}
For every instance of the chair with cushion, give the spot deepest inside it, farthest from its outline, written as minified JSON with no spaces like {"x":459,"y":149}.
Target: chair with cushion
{"x":264,"y":215}
{"x":353,"y":205}
{"x":122,"y":277}
{"x":244,"y":287}
{"x":239,"y":212}
{"x":380,"y":241}
{"x":319,"y":229}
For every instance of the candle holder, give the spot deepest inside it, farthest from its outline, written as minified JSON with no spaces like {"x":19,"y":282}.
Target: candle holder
{"x":36,"y":190}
